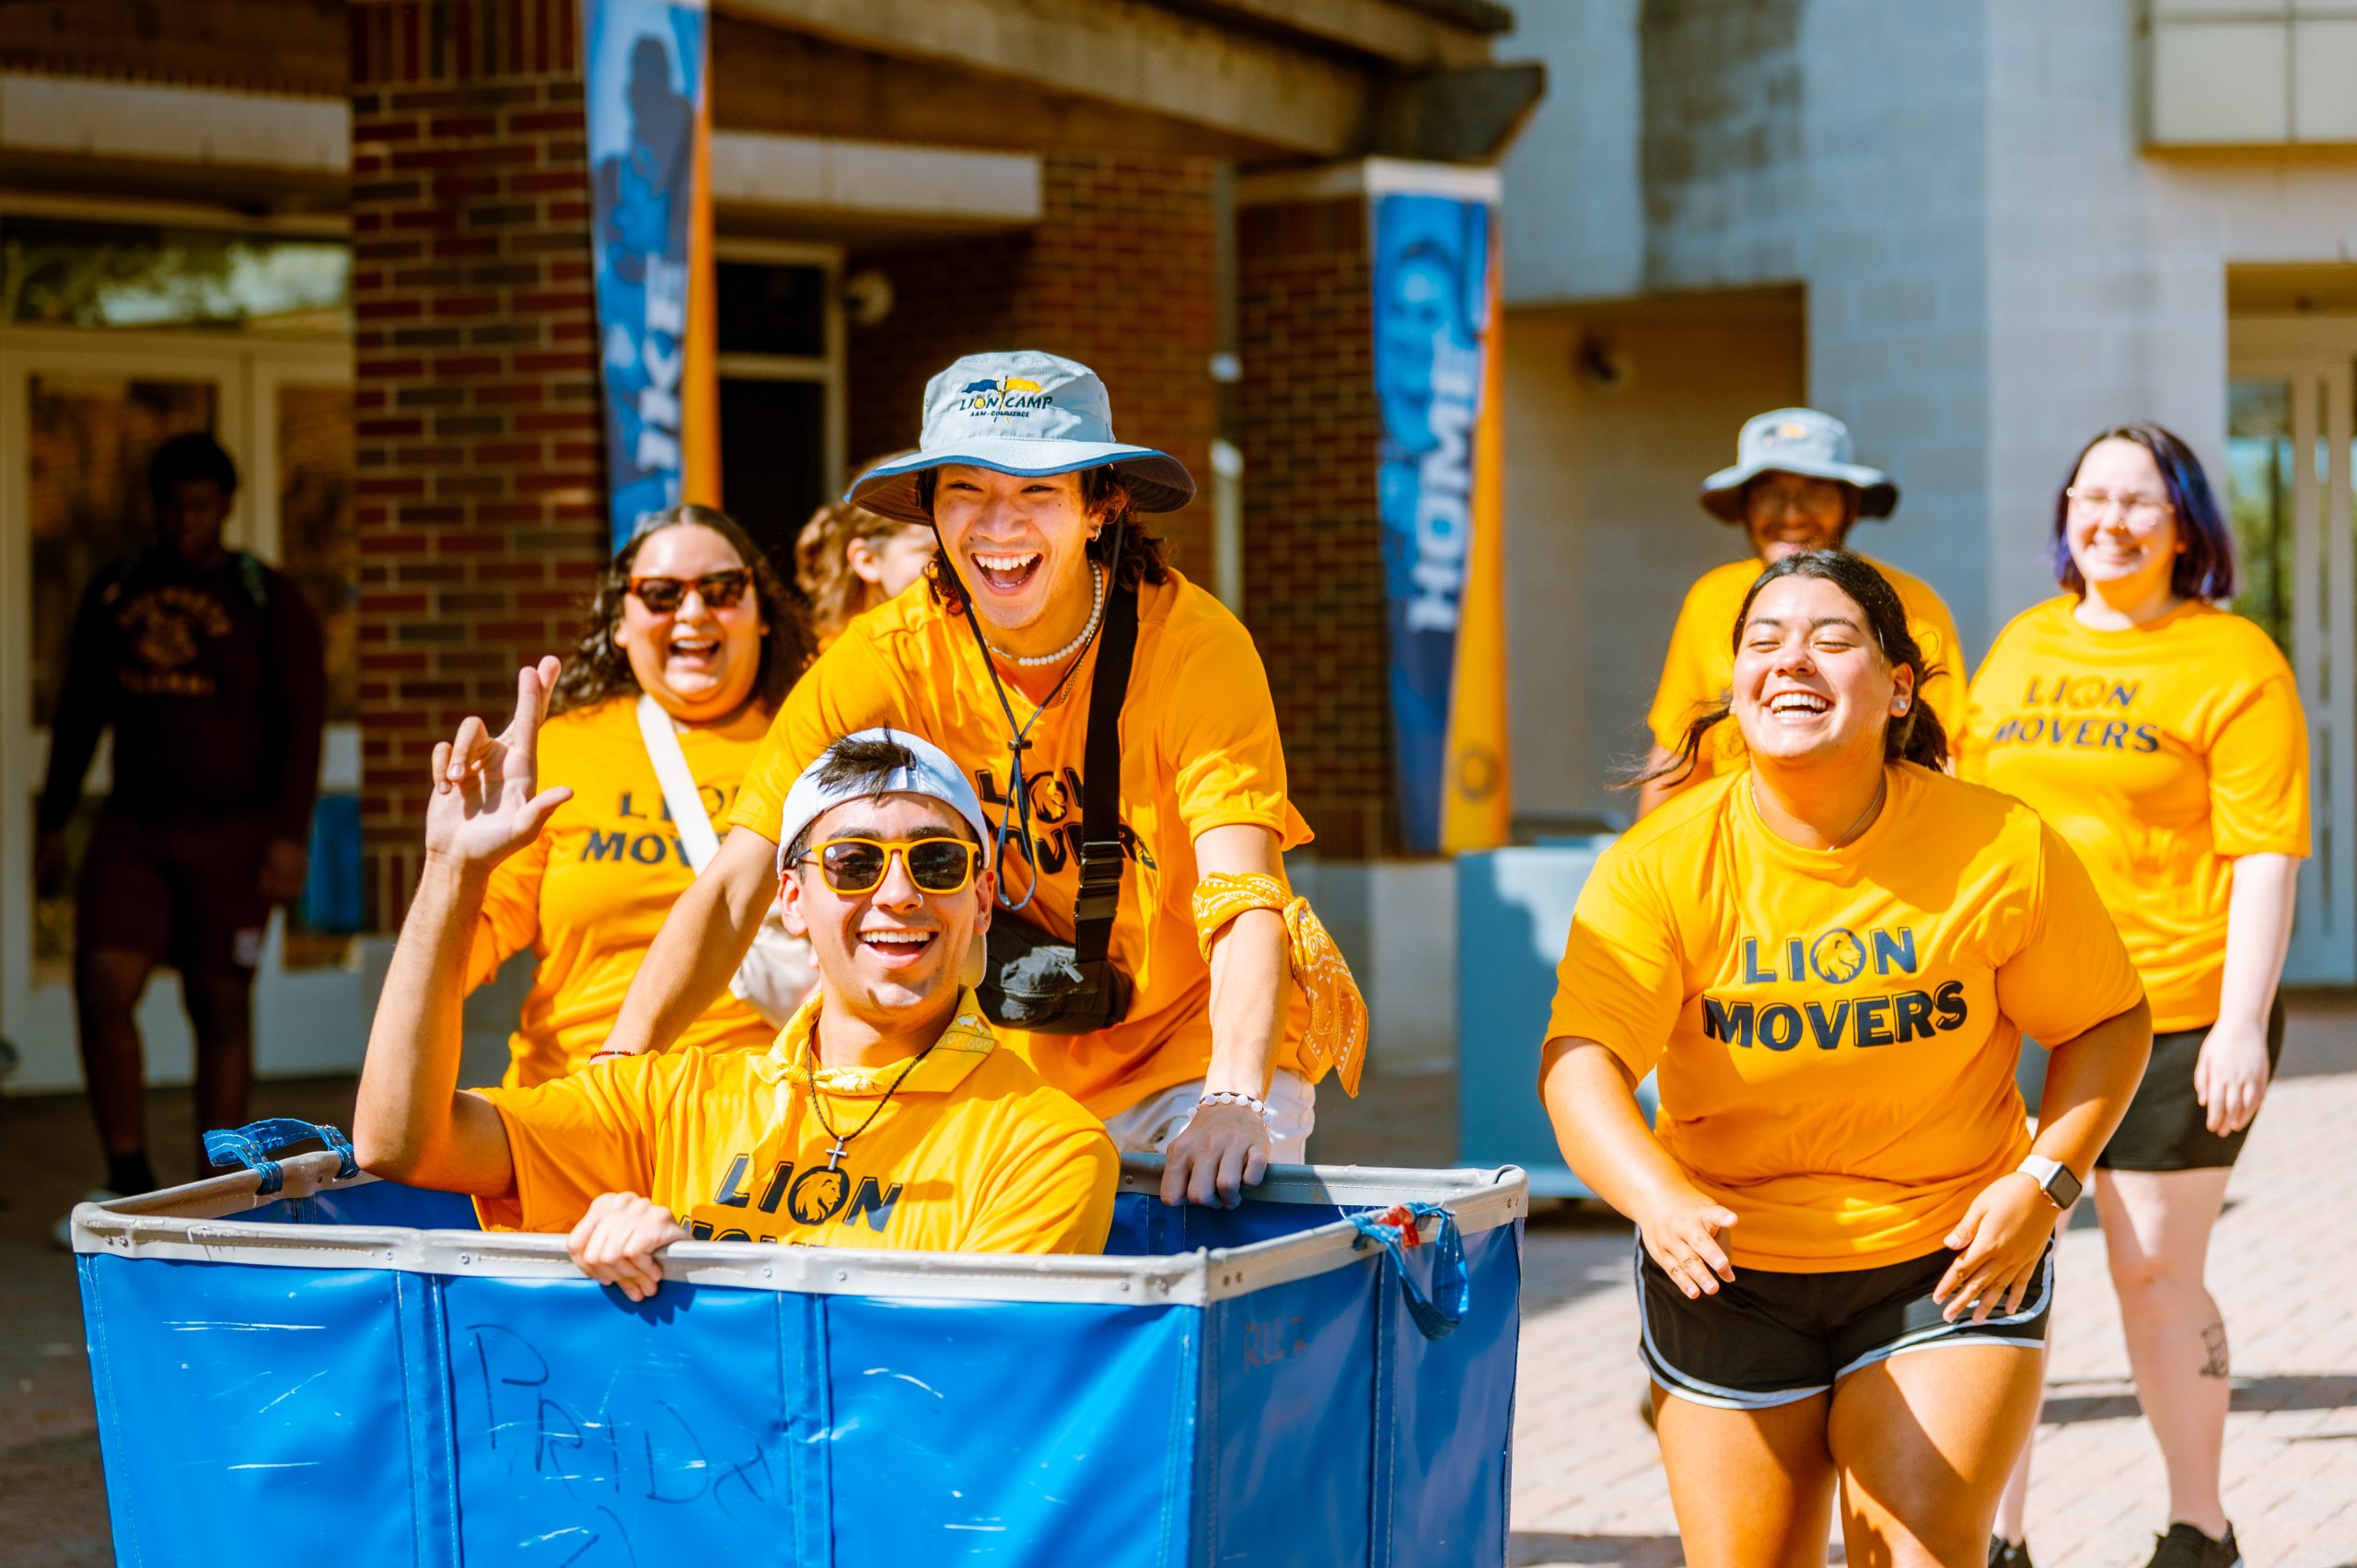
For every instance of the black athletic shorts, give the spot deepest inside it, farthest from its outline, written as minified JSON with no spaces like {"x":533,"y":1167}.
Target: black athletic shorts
{"x":1770,"y":1338}
{"x":2165,"y":1129}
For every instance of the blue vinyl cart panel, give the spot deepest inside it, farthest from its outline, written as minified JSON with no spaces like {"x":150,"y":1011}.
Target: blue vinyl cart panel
{"x":1513,"y":915}
{"x":345,"y":1368}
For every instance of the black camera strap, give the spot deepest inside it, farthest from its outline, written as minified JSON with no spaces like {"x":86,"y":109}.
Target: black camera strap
{"x":1032,"y":982}
{"x":1100,"y":798}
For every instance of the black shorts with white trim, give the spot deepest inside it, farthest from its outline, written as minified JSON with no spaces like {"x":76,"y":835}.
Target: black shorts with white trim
{"x":1773,"y":1338}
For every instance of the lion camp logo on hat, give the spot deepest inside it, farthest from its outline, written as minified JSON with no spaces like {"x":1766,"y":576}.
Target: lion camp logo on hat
{"x":1013,"y":396}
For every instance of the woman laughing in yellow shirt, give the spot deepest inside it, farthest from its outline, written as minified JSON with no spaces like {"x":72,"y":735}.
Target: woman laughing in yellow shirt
{"x":1795,"y":485}
{"x":1831,"y":957}
{"x":690,"y":616}
{"x":2163,"y":738}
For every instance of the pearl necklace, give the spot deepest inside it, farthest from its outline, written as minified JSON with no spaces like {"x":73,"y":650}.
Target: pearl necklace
{"x":1095,"y":612}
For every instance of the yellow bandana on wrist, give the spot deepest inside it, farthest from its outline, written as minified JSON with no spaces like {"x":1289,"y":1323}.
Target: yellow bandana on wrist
{"x":1337,"y":1034}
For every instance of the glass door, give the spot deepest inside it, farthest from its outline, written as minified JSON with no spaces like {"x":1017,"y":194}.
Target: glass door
{"x":80,"y":413}
{"x":2289,"y":456}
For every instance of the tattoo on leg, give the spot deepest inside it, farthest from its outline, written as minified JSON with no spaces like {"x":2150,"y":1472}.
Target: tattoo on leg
{"x":2213,"y":1342}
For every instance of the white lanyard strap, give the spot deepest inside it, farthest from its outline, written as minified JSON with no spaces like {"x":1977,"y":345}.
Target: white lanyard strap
{"x":688,"y":815}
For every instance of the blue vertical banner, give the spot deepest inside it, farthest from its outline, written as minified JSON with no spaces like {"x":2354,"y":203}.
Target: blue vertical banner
{"x":647,"y":75}
{"x":1433,"y":320}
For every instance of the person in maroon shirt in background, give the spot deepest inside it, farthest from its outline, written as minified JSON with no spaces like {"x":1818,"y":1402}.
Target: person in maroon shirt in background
{"x":208,"y":665}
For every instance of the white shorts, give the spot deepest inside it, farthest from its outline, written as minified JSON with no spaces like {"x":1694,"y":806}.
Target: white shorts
{"x":1148,"y":1127}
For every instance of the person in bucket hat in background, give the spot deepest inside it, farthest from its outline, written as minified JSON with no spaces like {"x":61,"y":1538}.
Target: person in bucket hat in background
{"x":1045,"y":563}
{"x":885,"y":1115}
{"x":1795,"y":485}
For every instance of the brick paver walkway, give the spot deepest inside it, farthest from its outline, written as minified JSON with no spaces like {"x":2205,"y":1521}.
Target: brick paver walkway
{"x":1587,"y":1480}
{"x":1588,"y":1485}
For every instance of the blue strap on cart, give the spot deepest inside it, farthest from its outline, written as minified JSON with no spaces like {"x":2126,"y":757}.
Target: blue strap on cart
{"x":252,"y":1144}
{"x":1415,"y":1225}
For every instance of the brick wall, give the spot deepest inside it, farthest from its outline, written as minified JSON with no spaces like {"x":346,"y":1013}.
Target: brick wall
{"x":1313,"y":561}
{"x":481,"y":513}
{"x":288,"y":46}
{"x":1118,"y":274}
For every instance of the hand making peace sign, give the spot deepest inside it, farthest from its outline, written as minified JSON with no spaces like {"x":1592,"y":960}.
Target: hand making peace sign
{"x":484,"y":808}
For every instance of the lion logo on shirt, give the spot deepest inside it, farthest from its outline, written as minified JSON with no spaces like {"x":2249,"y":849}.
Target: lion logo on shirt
{"x":1838,"y":957}
{"x":818,"y":1194}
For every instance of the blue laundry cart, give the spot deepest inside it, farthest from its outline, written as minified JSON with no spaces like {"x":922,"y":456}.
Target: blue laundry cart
{"x":1513,"y":915}
{"x":341,"y":1369}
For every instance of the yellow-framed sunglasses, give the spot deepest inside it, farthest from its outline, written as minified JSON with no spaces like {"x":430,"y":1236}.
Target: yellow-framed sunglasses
{"x":937,"y":862}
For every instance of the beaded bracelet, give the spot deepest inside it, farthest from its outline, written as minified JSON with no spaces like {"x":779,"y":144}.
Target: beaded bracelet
{"x":1258,"y":1107}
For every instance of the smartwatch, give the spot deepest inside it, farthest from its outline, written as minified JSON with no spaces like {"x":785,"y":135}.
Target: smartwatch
{"x":2053,"y":1178}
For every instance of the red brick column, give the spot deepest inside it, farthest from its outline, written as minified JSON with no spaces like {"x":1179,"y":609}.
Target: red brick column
{"x":1309,"y":425}
{"x":482,"y":475}
{"x":1120,"y":273}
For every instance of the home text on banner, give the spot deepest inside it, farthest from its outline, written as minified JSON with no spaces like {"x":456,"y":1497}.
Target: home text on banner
{"x":648,"y":74}
{"x":1439,"y":493}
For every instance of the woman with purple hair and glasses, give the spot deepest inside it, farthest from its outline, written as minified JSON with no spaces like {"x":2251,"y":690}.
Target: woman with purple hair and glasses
{"x":2162,"y":736}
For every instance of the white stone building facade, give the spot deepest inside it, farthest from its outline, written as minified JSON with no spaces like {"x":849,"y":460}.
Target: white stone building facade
{"x":1980,"y":232}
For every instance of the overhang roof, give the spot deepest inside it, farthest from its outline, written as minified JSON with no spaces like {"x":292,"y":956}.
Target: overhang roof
{"x":1262,"y":81}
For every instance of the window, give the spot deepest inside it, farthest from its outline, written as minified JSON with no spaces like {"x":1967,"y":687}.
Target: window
{"x":2258,"y":495}
{"x":781,"y":390}
{"x":2238,"y":73}
{"x":80,"y":273}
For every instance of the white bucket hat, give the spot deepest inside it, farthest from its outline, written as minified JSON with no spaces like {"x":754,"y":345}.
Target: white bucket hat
{"x":1801,"y":441}
{"x":933,"y":774}
{"x":1024,"y":412}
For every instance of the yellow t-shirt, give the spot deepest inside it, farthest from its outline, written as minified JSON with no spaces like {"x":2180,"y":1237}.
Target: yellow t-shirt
{"x":589,"y":893}
{"x":970,"y":1153}
{"x":1836,"y":1030}
{"x":1700,"y":665}
{"x":1199,"y":750}
{"x":2160,"y":753}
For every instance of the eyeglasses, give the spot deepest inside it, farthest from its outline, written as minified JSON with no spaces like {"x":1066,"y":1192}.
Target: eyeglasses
{"x":2138,"y":509}
{"x":1797,"y":501}
{"x":719,"y":589}
{"x":935,"y":865}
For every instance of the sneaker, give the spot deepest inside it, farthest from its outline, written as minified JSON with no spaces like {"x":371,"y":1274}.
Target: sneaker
{"x":2003,"y":1553}
{"x":62,"y":1233}
{"x":2185,"y":1547}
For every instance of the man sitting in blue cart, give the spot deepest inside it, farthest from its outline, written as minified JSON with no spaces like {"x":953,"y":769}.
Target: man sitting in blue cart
{"x":885,"y":1115}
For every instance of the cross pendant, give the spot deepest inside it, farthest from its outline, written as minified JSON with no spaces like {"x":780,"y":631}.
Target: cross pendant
{"x":835,"y":1154}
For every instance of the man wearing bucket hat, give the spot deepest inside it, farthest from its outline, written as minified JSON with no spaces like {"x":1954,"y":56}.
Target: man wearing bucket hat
{"x":886,"y":1115}
{"x":1795,"y":485}
{"x":1118,"y":723}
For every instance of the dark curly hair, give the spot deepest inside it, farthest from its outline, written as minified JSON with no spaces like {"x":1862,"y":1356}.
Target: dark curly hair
{"x":600,"y":668}
{"x":187,"y":458}
{"x":1915,"y":736}
{"x":1145,"y":558}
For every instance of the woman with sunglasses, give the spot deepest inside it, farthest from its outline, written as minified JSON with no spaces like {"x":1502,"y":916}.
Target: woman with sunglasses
{"x":1844,"y":1228}
{"x":688,"y":617}
{"x":2163,"y":738}
{"x":1039,"y":512}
